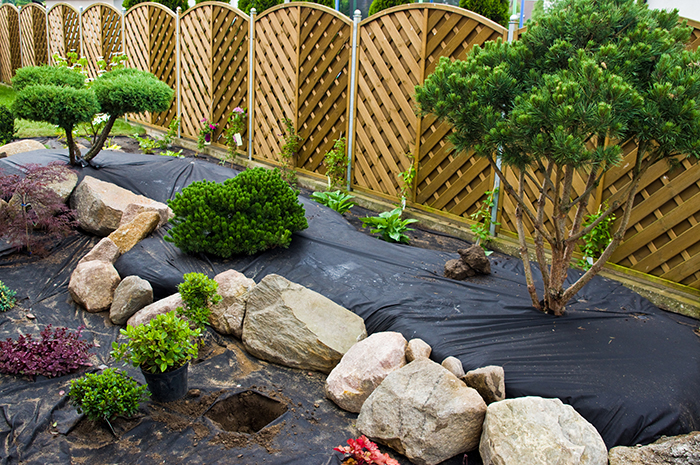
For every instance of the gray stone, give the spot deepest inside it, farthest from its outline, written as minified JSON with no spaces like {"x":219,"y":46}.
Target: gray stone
{"x":92,"y":285}
{"x":417,"y":348}
{"x":287,"y":324}
{"x":64,"y":188}
{"x":676,"y":450}
{"x":424,"y":412}
{"x":134,"y":209}
{"x":226,"y":317}
{"x":21,"y":146}
{"x":536,"y":431}
{"x":454,"y":365}
{"x":364,"y":367}
{"x":489,"y":381}
{"x":128,"y":235}
{"x":476,"y":258}
{"x":105,"y":250}
{"x":158,"y":307}
{"x":457,"y":269}
{"x":132,"y":294}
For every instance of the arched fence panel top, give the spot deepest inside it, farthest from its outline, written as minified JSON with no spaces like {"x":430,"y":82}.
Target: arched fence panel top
{"x":140,"y":7}
{"x":305,"y":5}
{"x":102,"y":35}
{"x":218,"y":4}
{"x":32,"y":22}
{"x":436,"y":6}
{"x":9,"y":42}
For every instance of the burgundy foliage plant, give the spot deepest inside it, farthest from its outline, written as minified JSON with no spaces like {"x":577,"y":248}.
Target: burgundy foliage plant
{"x":58,"y":353}
{"x":34,"y":215}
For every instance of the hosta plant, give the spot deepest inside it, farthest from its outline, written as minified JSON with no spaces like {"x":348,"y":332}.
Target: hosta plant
{"x":7,"y":298}
{"x":362,"y":451}
{"x":103,"y":396}
{"x":337,"y":200}
{"x":164,"y":344}
{"x":198,"y":292}
{"x":58,"y":353}
{"x":389,"y":225}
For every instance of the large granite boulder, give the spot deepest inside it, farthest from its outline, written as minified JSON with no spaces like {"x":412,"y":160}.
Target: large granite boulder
{"x":92,"y":285}
{"x":424,"y":412}
{"x":159,"y":307}
{"x":128,"y":235}
{"x":364,"y":367}
{"x":489,"y":381}
{"x":21,"y":146}
{"x":536,"y":431}
{"x":132,"y":294}
{"x":287,"y":324}
{"x":677,"y":450}
{"x":99,"y":205}
{"x":226,"y":317}
{"x":105,"y":250}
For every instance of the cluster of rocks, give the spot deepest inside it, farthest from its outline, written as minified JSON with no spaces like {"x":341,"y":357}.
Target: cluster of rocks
{"x":471,"y":262}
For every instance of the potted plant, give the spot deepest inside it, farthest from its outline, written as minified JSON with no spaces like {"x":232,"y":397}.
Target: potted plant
{"x":206,"y":134}
{"x":162,"y":349}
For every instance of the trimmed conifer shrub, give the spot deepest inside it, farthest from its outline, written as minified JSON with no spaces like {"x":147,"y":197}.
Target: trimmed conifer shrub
{"x":495,"y":10}
{"x":252,"y":212}
{"x":7,"y":125}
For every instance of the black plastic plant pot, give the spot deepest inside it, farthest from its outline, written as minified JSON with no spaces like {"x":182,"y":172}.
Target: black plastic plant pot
{"x":169,"y":386}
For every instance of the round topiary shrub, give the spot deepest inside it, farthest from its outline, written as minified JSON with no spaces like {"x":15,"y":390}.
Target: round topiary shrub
{"x":252,"y":212}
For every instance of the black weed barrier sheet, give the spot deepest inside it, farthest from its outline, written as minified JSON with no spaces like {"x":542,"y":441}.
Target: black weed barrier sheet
{"x":631,"y":369}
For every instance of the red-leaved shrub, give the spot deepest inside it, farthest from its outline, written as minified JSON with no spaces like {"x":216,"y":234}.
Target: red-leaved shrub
{"x":58,"y":353}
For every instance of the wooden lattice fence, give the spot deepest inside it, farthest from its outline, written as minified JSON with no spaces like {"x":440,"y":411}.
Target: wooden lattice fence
{"x":694,"y":41}
{"x":10,"y":58}
{"x":102,"y":34}
{"x":32,"y":22}
{"x":64,"y":30}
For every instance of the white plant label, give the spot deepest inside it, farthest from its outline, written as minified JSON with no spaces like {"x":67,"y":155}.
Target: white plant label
{"x":238,"y":139}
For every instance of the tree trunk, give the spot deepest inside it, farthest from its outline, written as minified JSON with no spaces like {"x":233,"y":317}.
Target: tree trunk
{"x":95,"y":149}
{"x":73,"y":150}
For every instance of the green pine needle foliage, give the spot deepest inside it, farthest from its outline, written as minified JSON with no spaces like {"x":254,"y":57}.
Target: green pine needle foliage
{"x":103,"y":396}
{"x":379,"y":5}
{"x":255,"y":211}
{"x":7,"y":125}
{"x":495,"y":10}
{"x":48,"y":75}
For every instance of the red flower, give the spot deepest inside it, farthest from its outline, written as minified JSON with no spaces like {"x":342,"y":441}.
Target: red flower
{"x":371,"y":456}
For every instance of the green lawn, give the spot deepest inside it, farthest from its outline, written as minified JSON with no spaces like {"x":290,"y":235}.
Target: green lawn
{"x":28,"y":129}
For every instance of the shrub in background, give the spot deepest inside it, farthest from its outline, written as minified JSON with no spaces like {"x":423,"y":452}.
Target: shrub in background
{"x":103,"y":396}
{"x":172,"y":4}
{"x":495,"y":10}
{"x":7,"y":298}
{"x":58,"y":353}
{"x":198,"y":291}
{"x":252,"y":212}
{"x":7,"y":125}
{"x":379,"y":5}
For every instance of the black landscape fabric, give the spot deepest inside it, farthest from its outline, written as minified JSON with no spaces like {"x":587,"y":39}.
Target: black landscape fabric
{"x":631,"y":369}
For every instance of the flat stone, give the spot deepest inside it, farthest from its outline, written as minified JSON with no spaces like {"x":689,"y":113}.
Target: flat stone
{"x":489,"y":381}
{"x":364,"y":367}
{"x":457,"y":269}
{"x":226,"y":317}
{"x":454,"y":365}
{"x":134,"y":209}
{"x":423,"y":412}
{"x":534,"y":431}
{"x":130,"y":234}
{"x":21,"y":146}
{"x":417,"y":348}
{"x":158,"y":307}
{"x":92,"y":285}
{"x":132,"y":294}
{"x":105,"y":250}
{"x":287,"y":324}
{"x":676,"y":450}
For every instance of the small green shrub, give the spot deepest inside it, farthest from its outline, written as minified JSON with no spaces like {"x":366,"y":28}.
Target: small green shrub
{"x":7,"y":298}
{"x":198,"y":292}
{"x":60,"y":76}
{"x":103,"y":396}
{"x":337,"y":200}
{"x":336,"y":161}
{"x":292,"y":144}
{"x":407,"y":177}
{"x":252,"y":212}
{"x":7,"y":125}
{"x":379,"y":5}
{"x":389,"y":225}
{"x":166,"y":343}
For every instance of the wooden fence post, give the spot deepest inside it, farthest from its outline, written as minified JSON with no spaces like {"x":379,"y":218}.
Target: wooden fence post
{"x":178,"y":90}
{"x":353,"y":90}
{"x":251,"y":78}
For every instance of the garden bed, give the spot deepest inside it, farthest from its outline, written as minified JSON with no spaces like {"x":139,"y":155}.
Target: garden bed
{"x":630,"y":369}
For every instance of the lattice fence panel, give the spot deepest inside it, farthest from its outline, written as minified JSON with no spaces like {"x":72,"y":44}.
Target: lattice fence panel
{"x":9,"y":42}
{"x":163,"y":59}
{"x":136,"y":25}
{"x":388,"y":70}
{"x":446,"y":179}
{"x":102,"y":35}
{"x":230,"y":67}
{"x":324,"y":67}
{"x":694,"y":41}
{"x":663,"y":235}
{"x":64,"y":30}
{"x":32,"y":21}
{"x":196,"y":50}
{"x":276,"y":64}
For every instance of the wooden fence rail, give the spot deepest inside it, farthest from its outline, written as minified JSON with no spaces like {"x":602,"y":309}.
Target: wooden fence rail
{"x":295,"y":62}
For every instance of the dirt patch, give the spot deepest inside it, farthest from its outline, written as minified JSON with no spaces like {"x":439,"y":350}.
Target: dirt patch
{"x":264,"y":439}
{"x":246,"y":412}
{"x":98,"y":432}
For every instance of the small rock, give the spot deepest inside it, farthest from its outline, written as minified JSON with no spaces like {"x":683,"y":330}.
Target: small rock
{"x":30,"y":316}
{"x":132,"y":294}
{"x":130,"y":234}
{"x":92,"y":285}
{"x":159,"y":307}
{"x":476,"y":258}
{"x":134,"y":209}
{"x":457,"y":269}
{"x":363,"y":368}
{"x":489,"y":381}
{"x":105,"y":250}
{"x":676,"y":450}
{"x":21,"y":146}
{"x":454,"y":365}
{"x":417,"y":348}
{"x":226,"y":317}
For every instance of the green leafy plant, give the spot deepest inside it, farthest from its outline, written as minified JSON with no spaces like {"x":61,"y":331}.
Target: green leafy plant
{"x":407,"y":177}
{"x":170,"y":134}
{"x":170,"y":153}
{"x":7,"y":298}
{"x":103,"y":396}
{"x":336,"y":162}
{"x":111,"y":145}
{"x":252,"y":212}
{"x":234,"y":131}
{"x":7,"y":125}
{"x":116,"y":62}
{"x":198,"y":292}
{"x":596,"y":241}
{"x":482,"y":217}
{"x":337,"y":200}
{"x":164,"y":344}
{"x":292,"y":143}
{"x":206,"y":134}
{"x":72,"y":61}
{"x":147,"y":144}
{"x":389,"y":225}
